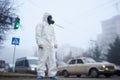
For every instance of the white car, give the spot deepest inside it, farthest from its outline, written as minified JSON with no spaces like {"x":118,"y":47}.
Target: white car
{"x":87,"y":66}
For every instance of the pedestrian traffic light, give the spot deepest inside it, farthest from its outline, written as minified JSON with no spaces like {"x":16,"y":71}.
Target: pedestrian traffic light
{"x":17,"y":23}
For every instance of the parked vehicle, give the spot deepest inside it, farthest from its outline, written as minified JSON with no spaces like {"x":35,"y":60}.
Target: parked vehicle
{"x":87,"y":66}
{"x":117,"y":70}
{"x":2,"y":66}
{"x":26,"y":65}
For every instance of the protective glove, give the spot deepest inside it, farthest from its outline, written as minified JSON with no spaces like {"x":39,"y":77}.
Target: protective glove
{"x":40,"y":46}
{"x":55,"y":46}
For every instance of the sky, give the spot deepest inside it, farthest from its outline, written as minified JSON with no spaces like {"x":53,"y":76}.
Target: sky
{"x":81,"y":20}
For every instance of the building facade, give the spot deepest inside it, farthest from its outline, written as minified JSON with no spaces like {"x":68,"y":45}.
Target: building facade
{"x":110,"y":30}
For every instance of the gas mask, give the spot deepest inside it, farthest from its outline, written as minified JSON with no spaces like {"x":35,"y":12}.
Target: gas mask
{"x":49,"y":20}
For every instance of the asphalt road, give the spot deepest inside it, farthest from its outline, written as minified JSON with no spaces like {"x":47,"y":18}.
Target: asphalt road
{"x":17,"y":76}
{"x":87,"y":78}
{"x":70,"y":78}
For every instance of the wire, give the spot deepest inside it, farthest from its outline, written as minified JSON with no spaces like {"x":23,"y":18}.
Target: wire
{"x":90,"y":12}
{"x":34,"y":4}
{"x":93,"y":9}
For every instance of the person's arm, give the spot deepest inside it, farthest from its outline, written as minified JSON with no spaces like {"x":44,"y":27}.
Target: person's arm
{"x":55,"y":41}
{"x":39,"y":40}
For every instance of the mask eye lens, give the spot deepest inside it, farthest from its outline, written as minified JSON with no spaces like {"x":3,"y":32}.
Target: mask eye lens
{"x":49,"y":17}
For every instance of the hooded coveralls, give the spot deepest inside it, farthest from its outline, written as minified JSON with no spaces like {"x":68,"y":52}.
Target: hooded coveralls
{"x":45,"y":36}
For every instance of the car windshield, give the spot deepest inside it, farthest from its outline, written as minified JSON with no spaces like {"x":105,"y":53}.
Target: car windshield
{"x":89,"y":60}
{"x":61,"y":63}
{"x":33,"y":62}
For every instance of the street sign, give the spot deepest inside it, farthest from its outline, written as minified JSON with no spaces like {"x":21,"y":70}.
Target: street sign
{"x":7,"y":19}
{"x":15,"y":41}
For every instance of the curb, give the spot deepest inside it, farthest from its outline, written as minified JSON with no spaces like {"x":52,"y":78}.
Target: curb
{"x":14,"y":75}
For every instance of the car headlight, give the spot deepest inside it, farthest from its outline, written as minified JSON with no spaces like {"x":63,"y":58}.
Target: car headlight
{"x":115,"y":67}
{"x":33,"y":69}
{"x":106,"y":69}
{"x":103,"y":66}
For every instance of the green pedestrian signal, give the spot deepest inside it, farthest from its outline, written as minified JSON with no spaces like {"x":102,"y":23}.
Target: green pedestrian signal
{"x":17,"y":23}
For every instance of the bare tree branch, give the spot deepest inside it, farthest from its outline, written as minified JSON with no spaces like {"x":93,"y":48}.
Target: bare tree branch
{"x":6,"y":9}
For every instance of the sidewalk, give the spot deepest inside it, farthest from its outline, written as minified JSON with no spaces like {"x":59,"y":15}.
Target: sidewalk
{"x":18,"y":76}
{"x":10,"y":75}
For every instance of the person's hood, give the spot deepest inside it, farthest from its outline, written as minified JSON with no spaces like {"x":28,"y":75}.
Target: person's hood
{"x":45,"y":17}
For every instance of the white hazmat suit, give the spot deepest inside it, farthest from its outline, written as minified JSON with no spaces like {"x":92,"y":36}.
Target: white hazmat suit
{"x":45,"y":36}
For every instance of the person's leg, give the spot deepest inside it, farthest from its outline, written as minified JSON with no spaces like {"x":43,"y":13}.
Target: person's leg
{"x":41,"y":64}
{"x":52,"y":69}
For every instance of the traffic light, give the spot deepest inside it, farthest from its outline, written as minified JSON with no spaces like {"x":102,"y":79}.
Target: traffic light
{"x":17,"y":23}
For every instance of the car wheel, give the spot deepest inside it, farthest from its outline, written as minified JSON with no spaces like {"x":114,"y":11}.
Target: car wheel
{"x":107,"y":75}
{"x":79,"y":75}
{"x":118,"y":74}
{"x":65,"y":73}
{"x":94,"y":73}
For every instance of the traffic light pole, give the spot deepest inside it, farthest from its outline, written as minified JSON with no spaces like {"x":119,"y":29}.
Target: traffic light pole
{"x":14,"y":58}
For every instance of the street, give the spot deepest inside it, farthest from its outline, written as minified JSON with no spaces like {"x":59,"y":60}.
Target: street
{"x":62,"y":78}
{"x":87,"y":78}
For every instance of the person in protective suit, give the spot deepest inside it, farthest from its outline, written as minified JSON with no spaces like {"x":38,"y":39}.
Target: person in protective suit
{"x":46,"y":41}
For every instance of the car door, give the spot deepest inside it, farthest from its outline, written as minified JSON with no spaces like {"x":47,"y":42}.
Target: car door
{"x":22,"y":68}
{"x":72,"y":66}
{"x":19,"y":66}
{"x":80,"y":66}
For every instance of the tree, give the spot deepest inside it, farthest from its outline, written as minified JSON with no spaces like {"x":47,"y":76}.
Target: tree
{"x":94,"y":51}
{"x":113,"y":55}
{"x":6,"y":9}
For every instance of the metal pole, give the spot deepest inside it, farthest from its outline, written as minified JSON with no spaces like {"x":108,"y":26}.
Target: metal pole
{"x":14,"y":59}
{"x":59,"y":26}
